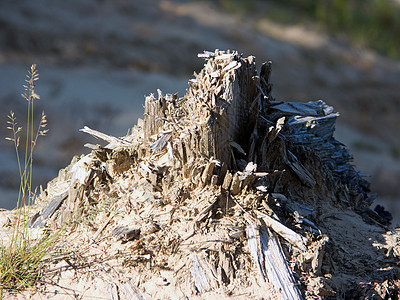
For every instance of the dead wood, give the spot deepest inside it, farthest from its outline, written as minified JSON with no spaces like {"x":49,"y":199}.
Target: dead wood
{"x":223,"y":192}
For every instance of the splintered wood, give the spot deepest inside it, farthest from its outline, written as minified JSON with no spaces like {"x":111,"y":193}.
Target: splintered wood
{"x":213,"y":112}
{"x":215,"y":191}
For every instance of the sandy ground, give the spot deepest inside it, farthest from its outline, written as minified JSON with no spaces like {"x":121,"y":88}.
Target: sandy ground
{"x":97,"y":60}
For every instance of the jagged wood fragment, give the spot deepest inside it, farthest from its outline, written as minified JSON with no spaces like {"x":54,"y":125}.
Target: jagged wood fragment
{"x":204,"y":213}
{"x":82,"y":173}
{"x":125,"y":233}
{"x":225,"y":270}
{"x":255,"y":249}
{"x":102,"y":227}
{"x":315,"y":108}
{"x":227,"y":181}
{"x":235,"y":185}
{"x":206,"y":54}
{"x":208,"y":172}
{"x":275,"y":131}
{"x":81,"y":170}
{"x":237,"y":147}
{"x":271,"y":261}
{"x":297,"y":167}
{"x":203,"y":274}
{"x":113,"y":141}
{"x":154,"y":114}
{"x":40,"y":220}
{"x":285,"y":232}
{"x":113,"y":291}
{"x":158,"y":145}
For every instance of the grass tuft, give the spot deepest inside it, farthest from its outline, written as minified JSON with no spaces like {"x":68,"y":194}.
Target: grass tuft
{"x":21,"y":256}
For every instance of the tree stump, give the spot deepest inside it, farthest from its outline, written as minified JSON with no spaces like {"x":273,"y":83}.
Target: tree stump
{"x":217,"y":106}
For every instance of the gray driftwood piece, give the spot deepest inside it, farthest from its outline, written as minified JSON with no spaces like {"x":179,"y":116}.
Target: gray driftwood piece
{"x":39,"y":220}
{"x":205,"y":278}
{"x":271,"y":261}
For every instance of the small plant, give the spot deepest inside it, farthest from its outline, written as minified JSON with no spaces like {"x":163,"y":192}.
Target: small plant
{"x":20,"y":258}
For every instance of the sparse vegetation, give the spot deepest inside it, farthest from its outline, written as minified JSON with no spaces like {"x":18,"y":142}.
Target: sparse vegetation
{"x":372,"y":24}
{"x":362,"y":145}
{"x":395,"y":152}
{"x":20,"y":257}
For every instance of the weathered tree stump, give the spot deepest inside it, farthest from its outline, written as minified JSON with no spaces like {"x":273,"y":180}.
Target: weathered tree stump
{"x":216,"y":106}
{"x":224,"y":175}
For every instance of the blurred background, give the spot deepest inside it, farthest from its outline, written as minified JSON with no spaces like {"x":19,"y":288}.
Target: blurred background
{"x":98,"y":59}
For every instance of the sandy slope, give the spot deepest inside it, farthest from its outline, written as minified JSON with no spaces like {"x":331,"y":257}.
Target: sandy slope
{"x":98,"y":59}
